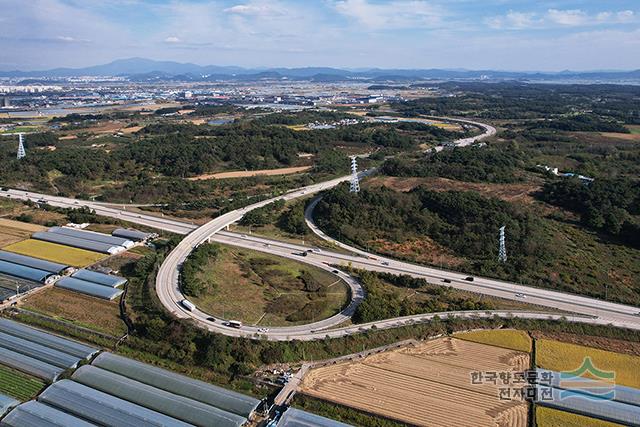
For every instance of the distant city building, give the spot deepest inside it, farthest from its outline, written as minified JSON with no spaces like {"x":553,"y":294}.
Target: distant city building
{"x":5,"y":102}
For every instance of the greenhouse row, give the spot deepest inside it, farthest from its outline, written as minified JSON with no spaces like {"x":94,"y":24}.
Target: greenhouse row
{"x":26,"y":273}
{"x":218,"y":397}
{"x":6,"y":403}
{"x":93,"y":236}
{"x":131,"y":234}
{"x":38,"y":353}
{"x":297,"y":418}
{"x":90,"y":245}
{"x":89,"y":288}
{"x":39,"y":264}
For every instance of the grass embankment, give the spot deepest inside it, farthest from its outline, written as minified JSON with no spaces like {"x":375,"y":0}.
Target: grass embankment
{"x":56,"y":253}
{"x":559,"y":356}
{"x":18,"y":385}
{"x":508,"y":338}
{"x":82,"y":310}
{"x":267,"y":290}
{"x":547,"y":417}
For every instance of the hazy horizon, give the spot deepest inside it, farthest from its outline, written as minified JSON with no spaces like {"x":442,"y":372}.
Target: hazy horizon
{"x":509,"y":35}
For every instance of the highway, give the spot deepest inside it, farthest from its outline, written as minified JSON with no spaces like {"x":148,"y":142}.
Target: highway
{"x":167,"y":281}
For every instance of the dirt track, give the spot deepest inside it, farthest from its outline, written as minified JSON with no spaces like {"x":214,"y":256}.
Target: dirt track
{"x":427,"y":385}
{"x":245,"y":174}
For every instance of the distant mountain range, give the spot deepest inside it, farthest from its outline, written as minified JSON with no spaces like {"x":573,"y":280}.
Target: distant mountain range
{"x":141,"y":69}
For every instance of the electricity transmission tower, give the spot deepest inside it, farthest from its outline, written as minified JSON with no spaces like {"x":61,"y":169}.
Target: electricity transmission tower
{"x":502,"y":254}
{"x":355,"y":182}
{"x":21,"y":151}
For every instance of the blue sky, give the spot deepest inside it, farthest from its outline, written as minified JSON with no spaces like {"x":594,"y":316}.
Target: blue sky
{"x":473,"y":34}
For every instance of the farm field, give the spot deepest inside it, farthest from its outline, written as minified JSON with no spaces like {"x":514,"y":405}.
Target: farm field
{"x":559,"y":356}
{"x":267,"y":290}
{"x":18,"y":385}
{"x":548,"y":417}
{"x":56,"y":253}
{"x":82,"y":310}
{"x":426,"y":385}
{"x":14,"y":231}
{"x":508,"y":338}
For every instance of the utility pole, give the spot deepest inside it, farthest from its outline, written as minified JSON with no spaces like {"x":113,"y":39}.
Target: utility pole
{"x":502,"y":253}
{"x":355,"y":182}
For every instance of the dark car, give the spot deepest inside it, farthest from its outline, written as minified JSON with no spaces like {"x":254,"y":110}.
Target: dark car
{"x":335,"y":272}
{"x":446,"y":280}
{"x":469,"y":279}
{"x":211,"y":319}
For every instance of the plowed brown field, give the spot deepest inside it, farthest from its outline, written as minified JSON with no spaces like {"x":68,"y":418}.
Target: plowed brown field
{"x":426,"y":385}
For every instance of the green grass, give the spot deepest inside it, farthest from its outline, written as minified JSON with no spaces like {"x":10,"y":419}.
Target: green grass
{"x":267,"y":290}
{"x":16,"y":384}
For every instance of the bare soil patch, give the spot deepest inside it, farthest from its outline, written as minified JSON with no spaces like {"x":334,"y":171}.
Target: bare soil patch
{"x":426,"y":385}
{"x":245,"y":174}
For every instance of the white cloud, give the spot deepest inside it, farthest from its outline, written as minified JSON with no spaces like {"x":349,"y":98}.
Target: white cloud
{"x":514,"y":21}
{"x":397,"y":14}
{"x":573,"y":17}
{"x":254,"y":9}
{"x":559,"y":18}
{"x":172,"y":39}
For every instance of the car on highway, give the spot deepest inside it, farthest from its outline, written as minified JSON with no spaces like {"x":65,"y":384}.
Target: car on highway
{"x":469,"y":279}
{"x":385,"y":262}
{"x":211,"y":319}
{"x":520,"y":296}
{"x":244,"y":236}
{"x":188,"y":305}
{"x":446,"y":280}
{"x":335,"y":272}
{"x":234,"y":324}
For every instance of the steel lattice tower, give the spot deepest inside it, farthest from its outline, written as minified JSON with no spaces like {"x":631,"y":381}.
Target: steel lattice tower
{"x":21,"y":151}
{"x":502,"y":254}
{"x":355,"y":182}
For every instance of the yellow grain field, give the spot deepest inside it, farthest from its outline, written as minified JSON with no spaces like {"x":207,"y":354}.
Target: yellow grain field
{"x":430,"y":384}
{"x":548,"y":417}
{"x":559,"y":356}
{"x":508,"y":338}
{"x":56,"y":253}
